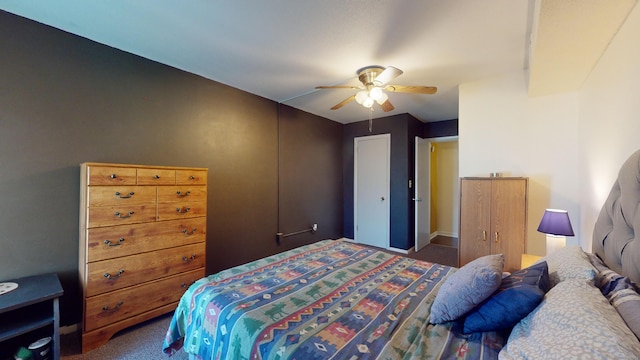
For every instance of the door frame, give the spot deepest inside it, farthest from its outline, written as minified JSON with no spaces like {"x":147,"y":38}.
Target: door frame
{"x":438,"y":140}
{"x":419,"y":169}
{"x":387,"y":194}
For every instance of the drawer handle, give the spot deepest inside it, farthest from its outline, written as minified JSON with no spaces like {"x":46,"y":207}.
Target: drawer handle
{"x":185,"y":194}
{"x":156,"y":176}
{"x":189,"y":259}
{"x":113,"y":277}
{"x":192,"y":177}
{"x":185,"y":285}
{"x":186,"y":232}
{"x":118,"y":194}
{"x":118,"y":214}
{"x":110,"y":244}
{"x":113,"y":176}
{"x":183,"y":210}
{"x":111,"y":311}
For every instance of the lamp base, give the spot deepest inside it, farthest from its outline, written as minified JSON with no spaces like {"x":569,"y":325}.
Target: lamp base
{"x":555,"y":242}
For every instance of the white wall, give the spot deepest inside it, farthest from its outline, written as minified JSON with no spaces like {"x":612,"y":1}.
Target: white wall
{"x":502,"y":129}
{"x":609,"y":113}
{"x":570,"y":145}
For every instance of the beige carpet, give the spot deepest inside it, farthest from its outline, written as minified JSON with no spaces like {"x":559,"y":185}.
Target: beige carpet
{"x":140,"y":342}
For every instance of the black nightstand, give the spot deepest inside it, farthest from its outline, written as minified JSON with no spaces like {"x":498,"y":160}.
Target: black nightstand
{"x":30,"y":311}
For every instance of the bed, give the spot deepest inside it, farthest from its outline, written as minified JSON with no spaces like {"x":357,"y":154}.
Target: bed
{"x":338,"y":300}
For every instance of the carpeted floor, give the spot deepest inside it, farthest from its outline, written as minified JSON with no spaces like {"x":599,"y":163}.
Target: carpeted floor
{"x":442,"y":250}
{"x":140,"y":342}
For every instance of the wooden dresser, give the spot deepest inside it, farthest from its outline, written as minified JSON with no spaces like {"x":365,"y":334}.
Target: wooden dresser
{"x":142,"y":243}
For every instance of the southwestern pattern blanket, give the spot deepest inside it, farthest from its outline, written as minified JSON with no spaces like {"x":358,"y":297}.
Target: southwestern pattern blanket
{"x":328,"y":300}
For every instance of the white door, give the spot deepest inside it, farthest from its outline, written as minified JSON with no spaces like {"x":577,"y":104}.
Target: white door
{"x":372,"y":159}
{"x":422,"y":199}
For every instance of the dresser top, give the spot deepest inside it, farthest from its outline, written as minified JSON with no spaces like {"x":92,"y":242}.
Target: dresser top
{"x":140,"y":166}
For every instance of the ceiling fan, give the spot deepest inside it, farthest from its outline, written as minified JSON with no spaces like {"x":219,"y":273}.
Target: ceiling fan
{"x":375,"y":81}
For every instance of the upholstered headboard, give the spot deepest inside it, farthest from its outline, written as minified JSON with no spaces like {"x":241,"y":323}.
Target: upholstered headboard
{"x":616,"y":235}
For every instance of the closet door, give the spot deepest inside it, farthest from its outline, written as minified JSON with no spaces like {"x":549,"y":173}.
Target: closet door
{"x":372,"y":162}
{"x":475,"y":221}
{"x":508,"y":215}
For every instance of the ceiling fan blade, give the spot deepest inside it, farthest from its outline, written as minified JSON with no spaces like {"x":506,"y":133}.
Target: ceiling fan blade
{"x":412,"y":89}
{"x":344,"y":102}
{"x":338,"y":87}
{"x":389,"y":73}
{"x":386,"y":106}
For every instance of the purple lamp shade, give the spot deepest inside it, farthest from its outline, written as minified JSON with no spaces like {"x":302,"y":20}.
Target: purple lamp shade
{"x":556,"y":222}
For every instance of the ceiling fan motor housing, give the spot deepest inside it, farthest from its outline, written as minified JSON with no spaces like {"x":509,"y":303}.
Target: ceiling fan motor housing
{"x":368,"y":74}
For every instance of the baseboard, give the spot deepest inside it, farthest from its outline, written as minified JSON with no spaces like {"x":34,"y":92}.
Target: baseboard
{"x":442,"y":233}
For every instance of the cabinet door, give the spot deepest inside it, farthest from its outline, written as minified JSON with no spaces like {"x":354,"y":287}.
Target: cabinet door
{"x":475,"y":211}
{"x":508,"y":220}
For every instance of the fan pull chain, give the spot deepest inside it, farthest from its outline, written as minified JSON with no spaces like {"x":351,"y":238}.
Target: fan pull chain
{"x":370,"y":119}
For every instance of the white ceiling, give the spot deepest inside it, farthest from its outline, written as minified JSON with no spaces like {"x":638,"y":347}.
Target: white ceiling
{"x":282,"y":49}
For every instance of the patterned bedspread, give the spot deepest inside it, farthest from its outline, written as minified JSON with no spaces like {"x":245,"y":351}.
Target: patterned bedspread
{"x":328,"y":300}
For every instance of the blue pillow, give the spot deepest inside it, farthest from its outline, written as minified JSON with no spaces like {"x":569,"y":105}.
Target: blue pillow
{"x":466,"y":288}
{"x":517,"y":296}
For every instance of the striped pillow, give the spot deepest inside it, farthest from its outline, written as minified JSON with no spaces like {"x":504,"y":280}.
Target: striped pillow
{"x":623,"y":294}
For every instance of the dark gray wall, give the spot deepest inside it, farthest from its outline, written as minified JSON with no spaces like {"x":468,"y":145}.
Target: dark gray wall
{"x":65,"y":100}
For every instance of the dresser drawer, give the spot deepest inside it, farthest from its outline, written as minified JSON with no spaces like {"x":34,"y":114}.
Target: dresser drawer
{"x":117,"y":273}
{"x":119,"y":305}
{"x":172,"y":194}
{"x":120,"y":195}
{"x":104,"y":175}
{"x":115,"y":241}
{"x":121,"y":215}
{"x":191,"y":177}
{"x":181,"y":210}
{"x":156,"y":177}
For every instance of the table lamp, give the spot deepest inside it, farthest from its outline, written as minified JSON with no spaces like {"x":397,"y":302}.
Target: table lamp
{"x":556,"y":224}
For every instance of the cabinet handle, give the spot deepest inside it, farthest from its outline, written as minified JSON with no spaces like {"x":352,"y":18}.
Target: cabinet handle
{"x":181,"y":211}
{"x":484,"y":235}
{"x":185,"y":194}
{"x":189,"y":259}
{"x":119,"y":215}
{"x":497,"y":236}
{"x":125,"y":196}
{"x":186,"y":232}
{"x":111,"y":311}
{"x":110,"y":244}
{"x":113,"y":277}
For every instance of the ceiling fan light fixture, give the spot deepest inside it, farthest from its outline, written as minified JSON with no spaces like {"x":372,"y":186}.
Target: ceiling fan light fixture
{"x":382,"y":98}
{"x":368,"y":102}
{"x":376,"y":93}
{"x":361,"y":96}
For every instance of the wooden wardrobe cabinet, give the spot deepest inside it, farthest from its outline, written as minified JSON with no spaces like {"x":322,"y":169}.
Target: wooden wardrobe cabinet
{"x":142,"y":243}
{"x":493,"y":219}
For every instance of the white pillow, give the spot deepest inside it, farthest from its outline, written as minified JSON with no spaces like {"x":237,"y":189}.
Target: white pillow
{"x":573,"y":321}
{"x":569,"y":262}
